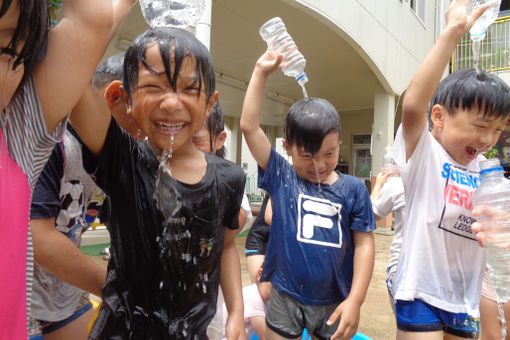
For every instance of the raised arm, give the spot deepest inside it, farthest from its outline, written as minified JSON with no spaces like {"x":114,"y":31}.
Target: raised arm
{"x":425,"y":81}
{"x":257,"y":141}
{"x":90,"y":118}
{"x":75,"y":48}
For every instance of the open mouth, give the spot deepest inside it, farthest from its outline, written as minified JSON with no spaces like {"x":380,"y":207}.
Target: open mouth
{"x":471,"y":152}
{"x":170,"y":127}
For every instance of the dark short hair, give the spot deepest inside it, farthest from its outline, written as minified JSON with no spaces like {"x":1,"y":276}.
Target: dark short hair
{"x":309,"y":121}
{"x":108,"y":71}
{"x":465,"y":89}
{"x":216,"y":125}
{"x":183,"y":44}
{"x":33,"y":23}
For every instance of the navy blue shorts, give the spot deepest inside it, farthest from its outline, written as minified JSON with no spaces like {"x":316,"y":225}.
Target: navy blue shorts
{"x":418,"y":316}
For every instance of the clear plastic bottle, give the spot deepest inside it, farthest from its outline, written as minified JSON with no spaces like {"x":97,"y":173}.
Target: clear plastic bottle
{"x":388,"y":164}
{"x":173,"y":13}
{"x":479,"y":28}
{"x":494,"y":192}
{"x":278,"y":39}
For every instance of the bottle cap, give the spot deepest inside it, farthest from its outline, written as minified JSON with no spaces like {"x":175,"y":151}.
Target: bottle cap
{"x":302,"y":79}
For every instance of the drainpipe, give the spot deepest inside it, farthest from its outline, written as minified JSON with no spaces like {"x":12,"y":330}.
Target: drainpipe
{"x":203,"y":29}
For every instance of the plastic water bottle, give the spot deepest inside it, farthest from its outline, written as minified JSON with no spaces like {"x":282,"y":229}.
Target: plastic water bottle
{"x":173,"y":13}
{"x":388,"y":164}
{"x":278,"y":39}
{"x":479,"y":28}
{"x":494,"y":192}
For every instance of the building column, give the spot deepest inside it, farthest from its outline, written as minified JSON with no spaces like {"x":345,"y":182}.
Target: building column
{"x":382,"y":136}
{"x":203,"y":28}
{"x":383,"y":128}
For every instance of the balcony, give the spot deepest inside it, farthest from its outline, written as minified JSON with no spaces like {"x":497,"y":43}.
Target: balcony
{"x":495,"y":54}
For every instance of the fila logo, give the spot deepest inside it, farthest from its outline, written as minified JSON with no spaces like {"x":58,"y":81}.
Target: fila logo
{"x":319,"y":221}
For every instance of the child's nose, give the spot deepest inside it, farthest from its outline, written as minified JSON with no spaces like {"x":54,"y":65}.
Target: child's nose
{"x":170,"y":100}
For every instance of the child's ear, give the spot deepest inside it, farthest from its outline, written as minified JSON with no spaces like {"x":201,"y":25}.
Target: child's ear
{"x":113,"y":93}
{"x":126,"y":100}
{"x":287,"y":147}
{"x":212,"y":101}
{"x":437,"y":114}
{"x":220,"y":140}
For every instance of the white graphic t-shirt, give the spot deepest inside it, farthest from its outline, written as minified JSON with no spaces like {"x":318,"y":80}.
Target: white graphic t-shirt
{"x":441,"y":262}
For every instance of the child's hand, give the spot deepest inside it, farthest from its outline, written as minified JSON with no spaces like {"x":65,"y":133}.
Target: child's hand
{"x":495,"y":228}
{"x":478,"y":230}
{"x":458,"y":19}
{"x":234,"y":327}
{"x":269,"y":62}
{"x":348,"y":312}
{"x":382,"y":177}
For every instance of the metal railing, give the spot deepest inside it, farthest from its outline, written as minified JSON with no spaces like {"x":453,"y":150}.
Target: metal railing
{"x":495,"y":52}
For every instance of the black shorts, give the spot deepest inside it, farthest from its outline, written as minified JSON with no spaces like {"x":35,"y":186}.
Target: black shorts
{"x":258,"y":236}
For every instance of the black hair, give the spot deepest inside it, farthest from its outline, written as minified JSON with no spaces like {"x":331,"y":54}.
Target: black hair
{"x":173,"y":43}
{"x":465,"y":89}
{"x":33,"y":24}
{"x":216,"y":125}
{"x":108,"y":71}
{"x":309,"y":121}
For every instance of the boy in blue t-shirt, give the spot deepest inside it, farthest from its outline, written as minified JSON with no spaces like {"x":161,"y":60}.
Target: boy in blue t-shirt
{"x":320,"y":255}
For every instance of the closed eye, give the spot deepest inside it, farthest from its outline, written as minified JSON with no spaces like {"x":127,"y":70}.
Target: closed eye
{"x":9,"y":51}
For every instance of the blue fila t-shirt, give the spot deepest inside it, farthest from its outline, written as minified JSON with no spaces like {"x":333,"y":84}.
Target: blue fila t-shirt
{"x":311,"y":248}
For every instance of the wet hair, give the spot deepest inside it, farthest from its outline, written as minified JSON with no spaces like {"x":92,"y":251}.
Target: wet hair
{"x":108,"y":71}
{"x":309,"y":121}
{"x":467,"y":89}
{"x":175,"y":44}
{"x":33,"y":24}
{"x":216,"y":125}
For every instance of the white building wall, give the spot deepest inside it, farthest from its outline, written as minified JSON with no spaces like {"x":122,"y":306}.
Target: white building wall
{"x":390,"y":36}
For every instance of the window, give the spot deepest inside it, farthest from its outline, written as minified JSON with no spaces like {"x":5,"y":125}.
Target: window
{"x":418,"y":6}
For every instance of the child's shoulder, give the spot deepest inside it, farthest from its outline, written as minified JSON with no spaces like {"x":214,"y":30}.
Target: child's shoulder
{"x":224,"y":169}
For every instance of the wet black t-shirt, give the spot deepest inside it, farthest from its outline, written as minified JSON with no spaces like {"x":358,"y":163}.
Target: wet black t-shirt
{"x":166,"y":242}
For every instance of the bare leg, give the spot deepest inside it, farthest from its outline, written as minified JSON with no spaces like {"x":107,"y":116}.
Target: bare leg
{"x":403,"y":335}
{"x":76,"y":330}
{"x":254,"y":262}
{"x":270,"y":335}
{"x":489,"y":316}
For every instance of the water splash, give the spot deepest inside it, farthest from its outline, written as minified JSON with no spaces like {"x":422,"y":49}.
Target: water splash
{"x":502,"y":319}
{"x":317,"y":174}
{"x":477,"y":50}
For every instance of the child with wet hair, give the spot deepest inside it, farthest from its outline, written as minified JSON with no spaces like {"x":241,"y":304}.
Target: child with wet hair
{"x":320,"y":254}
{"x":174,"y":209}
{"x":446,"y":126}
{"x":43,"y":75}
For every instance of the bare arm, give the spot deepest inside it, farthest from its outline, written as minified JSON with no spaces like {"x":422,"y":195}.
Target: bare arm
{"x":425,"y":81}
{"x":75,"y":48}
{"x":257,"y":141}
{"x":57,"y":254}
{"x":376,"y":190}
{"x":268,"y":214}
{"x":349,"y":310}
{"x":232,"y":288}
{"x":90,"y":118}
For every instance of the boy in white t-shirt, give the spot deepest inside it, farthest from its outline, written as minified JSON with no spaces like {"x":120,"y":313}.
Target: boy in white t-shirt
{"x":441,"y":266}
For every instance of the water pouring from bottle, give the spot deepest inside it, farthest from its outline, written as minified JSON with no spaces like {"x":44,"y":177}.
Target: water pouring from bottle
{"x":478,"y":31}
{"x":172,"y":13}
